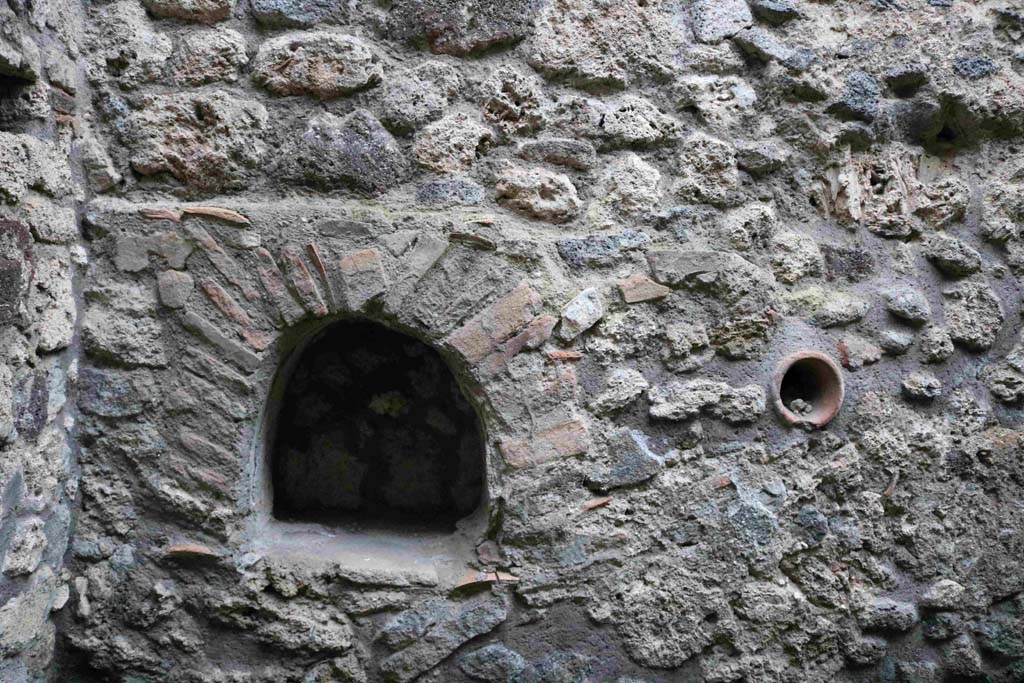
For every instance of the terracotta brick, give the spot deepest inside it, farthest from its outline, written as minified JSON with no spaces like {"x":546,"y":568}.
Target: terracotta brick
{"x":536,"y":333}
{"x":558,"y":441}
{"x":362,"y":273}
{"x":204,"y":329}
{"x":321,"y":270}
{"x":224,"y":264}
{"x":480,"y":337}
{"x":637,"y":288}
{"x":273,"y":282}
{"x":302,"y":281}
{"x":416,"y":263}
{"x":231,"y":309}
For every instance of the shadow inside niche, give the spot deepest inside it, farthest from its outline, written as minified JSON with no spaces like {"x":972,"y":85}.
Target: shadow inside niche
{"x":372,"y":429}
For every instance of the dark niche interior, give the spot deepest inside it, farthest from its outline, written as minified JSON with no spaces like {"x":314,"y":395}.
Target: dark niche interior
{"x":372,"y":427}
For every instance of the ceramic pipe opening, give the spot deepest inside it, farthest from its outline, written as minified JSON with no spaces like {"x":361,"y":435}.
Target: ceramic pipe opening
{"x":808,"y":389}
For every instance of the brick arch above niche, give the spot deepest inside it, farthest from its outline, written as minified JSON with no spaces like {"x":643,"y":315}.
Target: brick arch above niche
{"x":211,"y":300}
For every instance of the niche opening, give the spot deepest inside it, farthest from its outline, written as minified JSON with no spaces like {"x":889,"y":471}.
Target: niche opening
{"x":808,"y":389}
{"x":373,"y":428}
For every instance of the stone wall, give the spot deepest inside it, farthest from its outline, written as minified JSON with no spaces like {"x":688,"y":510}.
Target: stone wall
{"x":41,"y":100}
{"x":613,"y":220}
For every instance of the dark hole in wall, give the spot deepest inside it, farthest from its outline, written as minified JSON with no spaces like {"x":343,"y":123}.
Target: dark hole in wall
{"x":373,"y":427}
{"x":802,"y":381}
{"x":15,"y":95}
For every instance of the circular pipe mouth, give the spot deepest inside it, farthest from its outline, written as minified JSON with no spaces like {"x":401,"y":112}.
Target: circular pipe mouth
{"x":807,"y":389}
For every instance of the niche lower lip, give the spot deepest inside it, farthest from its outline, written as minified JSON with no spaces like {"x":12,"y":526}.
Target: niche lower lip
{"x":809,"y":381}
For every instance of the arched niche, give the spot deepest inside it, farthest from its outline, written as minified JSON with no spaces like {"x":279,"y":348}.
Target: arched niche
{"x":368,"y":428}
{"x":370,"y":457}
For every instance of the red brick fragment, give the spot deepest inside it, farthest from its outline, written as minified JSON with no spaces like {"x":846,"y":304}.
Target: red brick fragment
{"x":482,"y":335}
{"x":558,"y":441}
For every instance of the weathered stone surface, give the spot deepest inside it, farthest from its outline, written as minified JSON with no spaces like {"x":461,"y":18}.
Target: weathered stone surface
{"x":855,"y":352}
{"x":599,"y":250}
{"x":449,"y":192}
{"x":355,"y":151}
{"x":494,"y":663}
{"x":860,"y":98}
{"x":25,"y":549}
{"x":299,"y":13}
{"x":119,"y":327}
{"x":204,"y":11}
{"x":974,"y":315}
{"x":450,"y":630}
{"x":631,"y":462}
{"x":951,"y":256}
{"x":830,"y":309}
{"x":577,"y":154}
{"x":28,"y":163}
{"x":208,"y":56}
{"x":762,"y":45}
{"x":52,"y":299}
{"x":1006,"y":379}
{"x":624,"y":385}
{"x":936,"y":344}
{"x":132,"y":252}
{"x":908,"y":303}
{"x":602,"y":46}
{"x":795,"y":257}
{"x":943,"y":594}
{"x":921,"y":386}
{"x":514,"y":101}
{"x":19,"y":55}
{"x":125,"y":44}
{"x":629,"y":187}
{"x":210,"y":142}
{"x":115,"y":393}
{"x":22,"y":617}
{"x":99,"y":167}
{"x":707,"y":171}
{"x":688,"y":347}
{"x":775,"y":11}
{"x":685,"y":400}
{"x":175,"y":288}
{"x":317,"y":63}
{"x":582,"y":313}
{"x":461,"y":27}
{"x":716,"y":20}
{"x":452,"y":144}
{"x":760,"y":158}
{"x":632,"y":121}
{"x":539,"y":193}
{"x":16,"y":266}
{"x":418,"y":96}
